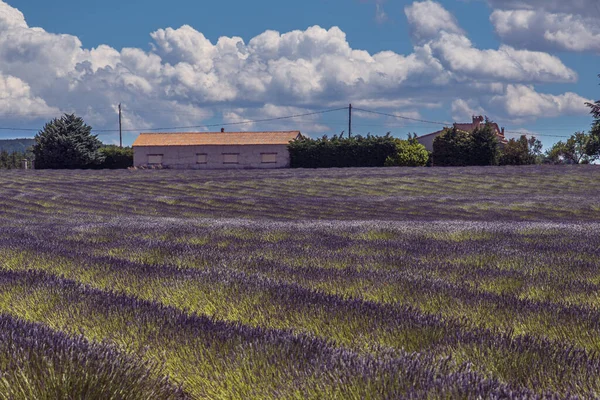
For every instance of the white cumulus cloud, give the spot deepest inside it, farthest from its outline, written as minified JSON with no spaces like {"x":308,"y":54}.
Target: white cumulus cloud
{"x":523,"y":101}
{"x":184,"y":78}
{"x":548,"y":24}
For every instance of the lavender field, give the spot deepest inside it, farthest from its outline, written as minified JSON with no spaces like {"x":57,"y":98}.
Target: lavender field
{"x":349,"y":284}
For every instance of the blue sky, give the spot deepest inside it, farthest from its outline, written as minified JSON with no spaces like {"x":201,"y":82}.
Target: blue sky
{"x":527,"y":64}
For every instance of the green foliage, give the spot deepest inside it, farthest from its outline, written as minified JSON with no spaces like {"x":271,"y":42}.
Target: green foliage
{"x":67,"y":143}
{"x":459,"y":148}
{"x":11,"y":160}
{"x":409,"y":153}
{"x":522,"y":151}
{"x":337,"y":152}
{"x":116,"y":157}
{"x":451,"y":148}
{"x":574,"y":151}
{"x":484,"y":146}
{"x":593,"y":145}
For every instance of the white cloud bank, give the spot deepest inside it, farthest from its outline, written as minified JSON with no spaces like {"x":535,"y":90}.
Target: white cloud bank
{"x":548,"y":24}
{"x":185,"y":79}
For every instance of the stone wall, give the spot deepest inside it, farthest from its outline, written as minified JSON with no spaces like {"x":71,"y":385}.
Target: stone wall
{"x":185,"y":157}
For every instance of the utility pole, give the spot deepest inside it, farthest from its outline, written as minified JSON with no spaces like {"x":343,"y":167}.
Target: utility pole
{"x":350,"y":120}
{"x":120,"y":127}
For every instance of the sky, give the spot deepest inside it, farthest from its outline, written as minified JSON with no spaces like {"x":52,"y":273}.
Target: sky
{"x":530,"y":65}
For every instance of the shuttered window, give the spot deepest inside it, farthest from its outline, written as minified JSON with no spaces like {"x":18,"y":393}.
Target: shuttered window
{"x":201,"y":158}
{"x":268,"y":158}
{"x":231,"y":158}
{"x":155,"y":158}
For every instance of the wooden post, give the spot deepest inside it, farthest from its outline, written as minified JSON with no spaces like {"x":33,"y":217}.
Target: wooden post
{"x":120,"y":128}
{"x":350,"y":120}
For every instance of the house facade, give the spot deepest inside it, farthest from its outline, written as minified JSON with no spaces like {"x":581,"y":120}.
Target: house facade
{"x":478,"y":121}
{"x":214,"y":150}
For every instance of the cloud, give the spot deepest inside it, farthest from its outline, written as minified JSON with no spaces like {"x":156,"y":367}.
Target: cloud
{"x":184,"y":79}
{"x":579,"y":7}
{"x":463,"y":110}
{"x":523,"y":101}
{"x":551,"y":25}
{"x":547,"y":31}
{"x":16,"y":100}
{"x":428,"y":19}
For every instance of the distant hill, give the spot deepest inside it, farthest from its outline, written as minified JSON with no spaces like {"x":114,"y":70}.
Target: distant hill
{"x":19,"y":145}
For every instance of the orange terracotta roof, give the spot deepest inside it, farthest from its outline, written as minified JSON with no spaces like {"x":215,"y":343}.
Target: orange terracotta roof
{"x":214,"y":138}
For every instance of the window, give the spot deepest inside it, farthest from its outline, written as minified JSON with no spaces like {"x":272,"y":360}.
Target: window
{"x":155,"y":158}
{"x":268,"y":158}
{"x":201,"y":158}
{"x":230,"y":158}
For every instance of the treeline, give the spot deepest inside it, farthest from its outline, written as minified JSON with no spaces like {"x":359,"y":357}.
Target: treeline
{"x":16,"y":145}
{"x":482,"y":147}
{"x":12,"y":160}
{"x":459,"y":148}
{"x":356,"y":151}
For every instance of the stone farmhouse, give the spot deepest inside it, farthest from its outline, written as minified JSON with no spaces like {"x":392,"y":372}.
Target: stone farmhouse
{"x":427,"y":140}
{"x":214,"y":150}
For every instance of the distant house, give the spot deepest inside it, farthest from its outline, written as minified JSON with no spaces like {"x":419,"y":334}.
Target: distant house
{"x":427,"y":140}
{"x":214,"y":150}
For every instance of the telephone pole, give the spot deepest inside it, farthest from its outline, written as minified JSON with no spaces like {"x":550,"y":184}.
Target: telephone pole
{"x":350,"y":120}
{"x":120,"y":127}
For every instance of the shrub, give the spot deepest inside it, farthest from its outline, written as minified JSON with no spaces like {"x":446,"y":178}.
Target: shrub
{"x":409,"y":153}
{"x":357,"y":151}
{"x":116,"y":157}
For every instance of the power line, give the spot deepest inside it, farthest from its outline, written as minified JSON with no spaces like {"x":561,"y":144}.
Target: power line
{"x":225,"y":124}
{"x":403,"y":117}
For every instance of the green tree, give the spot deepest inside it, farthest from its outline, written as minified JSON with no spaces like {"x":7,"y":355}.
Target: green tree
{"x":409,"y":153}
{"x":67,"y":143}
{"x":593,"y":145}
{"x":484,"y":146}
{"x":452,"y":148}
{"x":574,"y":151}
{"x":4,"y":159}
{"x":522,"y":151}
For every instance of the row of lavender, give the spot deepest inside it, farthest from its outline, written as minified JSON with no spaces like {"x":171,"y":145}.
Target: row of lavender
{"x":508,"y":194}
{"x":119,"y":268}
{"x":491,"y":297}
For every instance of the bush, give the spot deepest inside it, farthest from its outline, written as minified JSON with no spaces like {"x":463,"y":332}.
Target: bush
{"x":409,"y":153}
{"x":116,"y":157}
{"x":357,"y":151}
{"x":67,"y":143}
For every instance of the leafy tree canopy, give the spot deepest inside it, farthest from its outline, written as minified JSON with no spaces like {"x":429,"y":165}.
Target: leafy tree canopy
{"x":575,"y":150}
{"x":67,"y":143}
{"x":593,"y":145}
{"x":522,"y":151}
{"x":409,"y":153}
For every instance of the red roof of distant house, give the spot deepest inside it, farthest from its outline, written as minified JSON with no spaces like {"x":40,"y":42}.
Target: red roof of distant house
{"x":215,"y":138}
{"x":470,"y":128}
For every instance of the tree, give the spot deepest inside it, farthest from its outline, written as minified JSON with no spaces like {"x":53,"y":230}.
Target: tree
{"x":451,"y":148}
{"x":409,"y":153}
{"x":593,"y":145}
{"x":573,"y":151}
{"x":484,"y":146}
{"x":67,"y":143}
{"x":521,"y":151}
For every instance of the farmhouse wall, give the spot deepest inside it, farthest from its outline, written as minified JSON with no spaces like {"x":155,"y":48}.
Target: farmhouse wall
{"x":427,"y":140}
{"x":186,"y":157}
